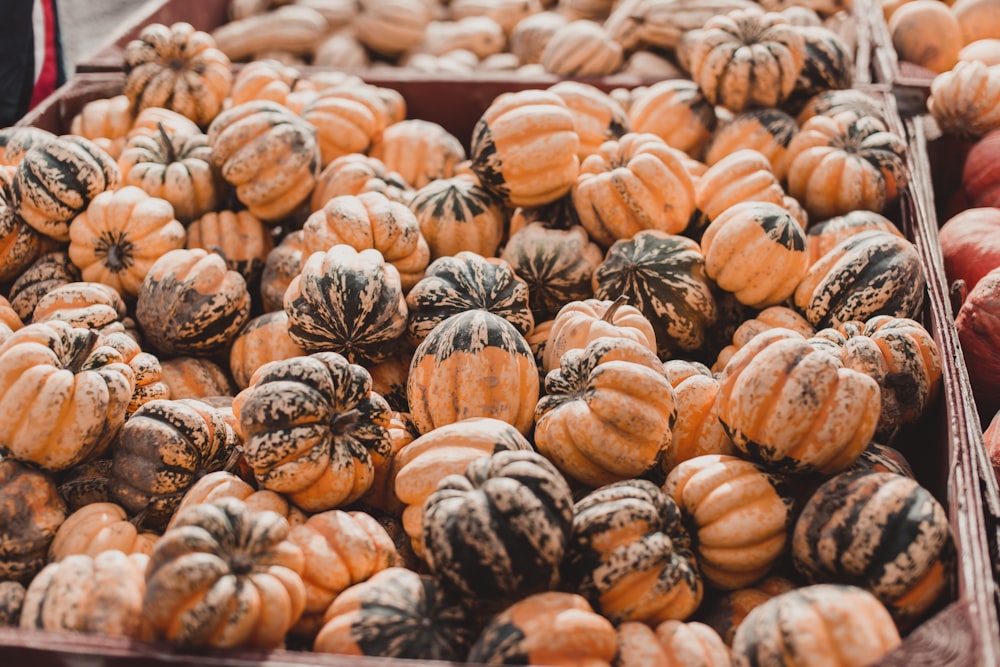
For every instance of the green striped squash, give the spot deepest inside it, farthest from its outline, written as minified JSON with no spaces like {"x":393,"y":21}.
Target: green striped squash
{"x":457,"y":214}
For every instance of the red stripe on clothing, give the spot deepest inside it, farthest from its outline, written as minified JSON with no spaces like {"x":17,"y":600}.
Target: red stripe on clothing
{"x":46,"y":82}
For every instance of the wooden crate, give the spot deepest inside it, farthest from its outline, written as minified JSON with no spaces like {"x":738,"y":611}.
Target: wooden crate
{"x":910,"y":83}
{"x":945,"y":448}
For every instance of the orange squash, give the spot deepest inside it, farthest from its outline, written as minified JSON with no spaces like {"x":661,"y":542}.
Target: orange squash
{"x":697,"y":430}
{"x":264,"y":338}
{"x":31,"y":511}
{"x":580,"y":322}
{"x":927,"y":33}
{"x":356,"y":173}
{"x":99,"y":527}
{"x":965,"y":101}
{"x":676,"y":111}
{"x":418,"y":150}
{"x":671,"y":643}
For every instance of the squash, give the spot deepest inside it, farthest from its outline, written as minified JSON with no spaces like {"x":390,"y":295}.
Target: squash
{"x":11,"y":601}
{"x":978,"y":332}
{"x":964,"y":100}
{"x":757,"y":251}
{"x":880,"y":458}
{"x":100,"y":527}
{"x":178,"y":68}
{"x":664,"y":277}
{"x":39,"y":278}
{"x":608,"y":412}
{"x":344,"y":126}
{"x":290,"y":28}
{"x":347,"y":301}
{"x":664,"y":25}
{"x":476,"y":541}
{"x":264,"y":338}
{"x":767,"y":131}
{"x":579,"y":322}
{"x":463,"y":282}
{"x":418,"y":150}
{"x":272,"y":80}
{"x":676,"y":111}
{"x":242,"y":239}
{"x":20,"y":244}
{"x":828,"y":65}
{"x":225,"y":484}
{"x":370,"y":220}
{"x":977,"y":19}
{"x":31,"y":511}
{"x":582,"y":48}
{"x":524,"y":148}
{"x":390,"y":27}
{"x":190,"y":303}
{"x":769,"y":318}
{"x":558,"y":265}
{"x":738,"y":514}
{"x":832,"y":102}
{"x":457,"y":214}
{"x":726,"y":613}
{"x":283,"y":264}
{"x":697,"y":430}
{"x":630,"y":556}
{"x":742,"y":176}
{"x":356,"y":173}
{"x":480,"y":344}
{"x":397,"y":613}
{"x":979,"y":178}
{"x":549,"y":628}
{"x":106,"y":122}
{"x":310,"y":426}
{"x":389,"y":379}
{"x":806,"y":626}
{"x":597,"y":116}
{"x":822,"y":237}
{"x":146,"y":367}
{"x":84,"y":305}
{"x":926,"y":33}
{"x":671,"y":643}
{"x":99,"y":595}
{"x":56,"y":180}
{"x":224,"y":575}
{"x":195,"y":377}
{"x":631,"y":184}
{"x":120,"y":235}
{"x":17,"y":140}
{"x":64,"y":394}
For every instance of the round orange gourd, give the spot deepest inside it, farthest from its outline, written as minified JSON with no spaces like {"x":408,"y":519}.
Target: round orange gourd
{"x":240,"y":237}
{"x":671,"y":643}
{"x":769,"y":318}
{"x":264,"y":338}
{"x":926,"y":33}
{"x":224,"y":484}
{"x":356,"y":173}
{"x":596,"y":115}
{"x":725,"y":614}
{"x":742,"y":176}
{"x":344,"y":126}
{"x":697,"y":430}
{"x":986,"y":51}
{"x":676,"y":111}
{"x":582,"y":48}
{"x":106,"y":122}
{"x":418,"y":150}
{"x":767,"y":131}
{"x":195,"y":377}
{"x":580,"y":322}
{"x":271,"y":80}
{"x":99,"y":527}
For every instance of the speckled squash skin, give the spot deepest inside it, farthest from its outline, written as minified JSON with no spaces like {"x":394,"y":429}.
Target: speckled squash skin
{"x":738,"y":514}
{"x":833,"y":102}
{"x":283,"y":264}
{"x":355,"y":173}
{"x":99,"y":527}
{"x":474,"y":364}
{"x":99,"y":595}
{"x":11,"y":601}
{"x":418,"y":150}
{"x":524,"y":148}
{"x":965,"y":101}
{"x":547,"y":629}
{"x":225,"y":576}
{"x":828,"y":65}
{"x":397,"y":613}
{"x":370,"y":220}
{"x":20,"y":244}
{"x":769,"y":318}
{"x":309,"y":426}
{"x":742,"y":176}
{"x":882,"y":458}
{"x":178,"y":68}
{"x":597,"y":116}
{"x":64,"y":394}
{"x":264,"y":338}
{"x":757,"y":251}
{"x":344,"y":126}
{"x":240,"y":237}
{"x":901,"y":356}
{"x":85,"y":305}
{"x":121,"y":233}
{"x":672,"y":644}
{"x":457,"y":214}
{"x":580,"y":322}
{"x":55,"y":181}
{"x":224,"y":484}
{"x":45,"y":273}
{"x":608,"y":412}
{"x":268,"y":154}
{"x":767,"y":131}
{"x":195,"y":377}
{"x":630,"y":556}
{"x":898,"y":537}
{"x":31,"y":512}
{"x":725,"y":614}
{"x":868,"y":274}
{"x":347,"y":301}
{"x":162,"y":450}
{"x":446,"y":450}
{"x":381,"y":497}
{"x":464,"y":282}
{"x":630,"y":184}
{"x":811,"y":626}
{"x":557,"y":264}
{"x":824,"y":236}
{"x":15,"y":141}
{"x":697,"y":430}
{"x":676,"y":111}
{"x":499,"y":532}
{"x":664,"y":277}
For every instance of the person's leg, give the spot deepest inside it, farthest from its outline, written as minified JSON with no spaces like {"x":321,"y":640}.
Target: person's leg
{"x":17,"y":60}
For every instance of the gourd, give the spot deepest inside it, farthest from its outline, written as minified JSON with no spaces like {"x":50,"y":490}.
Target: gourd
{"x":26,"y":493}
{"x":457,"y":214}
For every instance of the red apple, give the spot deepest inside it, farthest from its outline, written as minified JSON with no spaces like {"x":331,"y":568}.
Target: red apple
{"x":978,"y":325}
{"x":970,"y":244}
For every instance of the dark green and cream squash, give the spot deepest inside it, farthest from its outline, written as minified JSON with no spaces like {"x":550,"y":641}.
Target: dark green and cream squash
{"x":191,"y":303}
{"x":737,"y":513}
{"x":85,"y":305}
{"x":560,"y":214}
{"x":868,"y":274}
{"x":551,"y":628}
{"x":833,"y":102}
{"x":767,"y":131}
{"x":824,"y":236}
{"x":15,"y":141}
{"x":463,"y":282}
{"x":882,"y":458}
{"x":56,"y":180}
{"x":31,"y":511}
{"x":792,"y":406}
{"x":11,"y":602}
{"x":757,"y":251}
{"x":608,"y":412}
{"x":841,"y":625}
{"x":631,"y":184}
{"x":397,"y":613}
{"x":38,"y":279}
{"x":882,"y":532}
{"x":346,"y":301}
{"x":726,"y":612}
{"x":672,"y":642}
{"x":664,"y":277}
{"x":310,"y":427}
{"x":697,"y":430}
{"x":474,"y":344}
{"x":631,"y":556}
{"x":498,"y":532}
{"x":20,"y":244}
{"x":558,"y":265}
{"x":85,"y":483}
{"x":457,"y":214}
{"x":676,"y":111}
{"x":828,"y":65}
{"x":162,"y":450}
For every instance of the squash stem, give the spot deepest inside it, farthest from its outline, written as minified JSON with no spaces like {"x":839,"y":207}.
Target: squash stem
{"x":167,"y":143}
{"x":83,"y":352}
{"x":613,"y":308}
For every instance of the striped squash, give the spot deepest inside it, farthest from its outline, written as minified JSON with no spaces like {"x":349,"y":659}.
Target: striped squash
{"x":881,"y":458}
{"x":671,"y":643}
{"x":824,"y":236}
{"x":15,"y":141}
{"x":38,"y":279}
{"x":769,"y":318}
{"x":11,"y":602}
{"x":676,"y":111}
{"x":457,"y":214}
{"x":476,"y":539}
{"x":346,"y":301}
{"x":631,"y":556}
{"x":579,"y":322}
{"x":474,"y":344}
{"x":397,"y":613}
{"x":882,"y":532}
{"x":697,"y":430}
{"x":767,"y":131}
{"x":597,"y":116}
{"x":833,"y":102}
{"x":20,"y":244}
{"x":664,"y":277}
{"x":418,"y":150}
{"x":828,"y":65}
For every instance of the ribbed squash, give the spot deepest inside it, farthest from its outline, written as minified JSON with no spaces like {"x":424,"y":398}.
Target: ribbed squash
{"x":726,"y":613}
{"x":272,"y":80}
{"x":697,"y":430}
{"x":833,"y":102}
{"x":99,"y":527}
{"x":17,"y":140}
{"x":630,"y":556}
{"x":346,"y":301}
{"x":420,"y":151}
{"x":474,"y":344}
{"x":767,"y":131}
{"x":356,"y":173}
{"x":742,"y":176}
{"x":822,"y":237}
{"x":880,"y":458}
{"x":283,"y":264}
{"x":85,"y":305}
{"x":195,"y":377}
{"x":457,"y":214}
{"x":39,"y":278}
{"x":608,"y":412}
{"x":769,"y":318}
{"x":828,"y":64}
{"x":898,"y":535}
{"x":11,"y":601}
{"x":344,"y":126}
{"x":965,"y":101}
{"x":664,"y":277}
{"x":224,"y":484}
{"x":597,"y":117}
{"x":671,"y":643}
{"x":310,"y":425}
{"x":240,"y":237}
{"x":20,"y":244}
{"x":264,"y":338}
{"x":580,"y":322}
{"x":738,"y":514}
{"x":676,"y":111}
{"x":582,"y":48}
{"x":31,"y":511}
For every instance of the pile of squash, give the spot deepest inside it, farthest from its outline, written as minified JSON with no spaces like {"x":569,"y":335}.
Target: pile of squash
{"x":935,"y":35}
{"x":519,"y":37}
{"x":618,"y":385}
